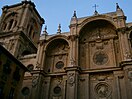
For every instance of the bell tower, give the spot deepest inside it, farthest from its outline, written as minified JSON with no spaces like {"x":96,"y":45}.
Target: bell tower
{"x":20,"y":28}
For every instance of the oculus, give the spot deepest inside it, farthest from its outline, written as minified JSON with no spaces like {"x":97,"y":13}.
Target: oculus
{"x":59,"y":65}
{"x":100,"y":58}
{"x":57,"y":90}
{"x":25,"y":91}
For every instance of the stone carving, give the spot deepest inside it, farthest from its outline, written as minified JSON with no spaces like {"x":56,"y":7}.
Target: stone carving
{"x":127,"y":55}
{"x":100,"y":58}
{"x":34,"y":81}
{"x":57,"y":90}
{"x":71,"y":79}
{"x":102,"y":90}
{"x":101,"y":77}
{"x":130,"y":75}
{"x":72,"y":62}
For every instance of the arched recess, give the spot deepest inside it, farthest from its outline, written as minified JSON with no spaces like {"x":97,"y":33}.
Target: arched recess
{"x":57,"y":55}
{"x":9,"y":22}
{"x":33,"y":30}
{"x":99,"y":17}
{"x":93,"y":37}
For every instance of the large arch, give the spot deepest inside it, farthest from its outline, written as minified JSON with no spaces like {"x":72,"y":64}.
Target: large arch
{"x":94,"y":18}
{"x":56,"y":37}
{"x":57,"y":55}
{"x":93,"y":35}
{"x":92,"y":28}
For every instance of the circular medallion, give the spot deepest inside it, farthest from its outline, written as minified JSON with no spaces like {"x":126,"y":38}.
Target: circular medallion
{"x":59,"y":65}
{"x":102,"y":90}
{"x":30,"y":67}
{"x":25,"y":91}
{"x":130,"y":74}
{"x":57,"y":90}
{"x":100,"y":58}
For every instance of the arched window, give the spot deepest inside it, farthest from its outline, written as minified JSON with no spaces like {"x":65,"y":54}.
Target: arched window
{"x":4,"y":26}
{"x":30,"y":32}
{"x":10,"y":24}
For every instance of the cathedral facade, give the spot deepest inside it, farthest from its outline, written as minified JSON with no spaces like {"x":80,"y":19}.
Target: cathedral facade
{"x":91,"y":61}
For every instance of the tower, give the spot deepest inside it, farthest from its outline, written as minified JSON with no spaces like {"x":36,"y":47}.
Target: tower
{"x":20,"y":28}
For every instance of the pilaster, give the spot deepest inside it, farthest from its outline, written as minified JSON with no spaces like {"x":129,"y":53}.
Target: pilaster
{"x":72,"y":82}
{"x":124,"y":45}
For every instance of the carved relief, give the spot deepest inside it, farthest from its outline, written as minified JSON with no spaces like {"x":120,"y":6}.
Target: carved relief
{"x":57,"y":91}
{"x":101,"y":77}
{"x":34,"y":81}
{"x":130,"y":75}
{"x":71,"y":79}
{"x":102,"y":90}
{"x":100,"y":58}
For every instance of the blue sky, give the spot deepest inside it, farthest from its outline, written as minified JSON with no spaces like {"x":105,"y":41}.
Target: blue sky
{"x":60,"y":11}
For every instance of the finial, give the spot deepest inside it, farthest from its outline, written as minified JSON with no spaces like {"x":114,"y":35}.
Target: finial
{"x":59,"y":29}
{"x":117,"y":6}
{"x":95,"y":12}
{"x":74,"y":15}
{"x":45,"y":30}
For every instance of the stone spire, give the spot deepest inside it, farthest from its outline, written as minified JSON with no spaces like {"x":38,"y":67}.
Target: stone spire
{"x":117,"y":6}
{"x":45,"y":30}
{"x":74,"y":14}
{"x":74,"y":18}
{"x":119,"y":11}
{"x":59,"y":29}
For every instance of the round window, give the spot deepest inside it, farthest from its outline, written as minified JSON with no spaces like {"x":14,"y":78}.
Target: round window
{"x":57,"y":90}
{"x":59,"y":65}
{"x":25,"y":91}
{"x":30,"y":67}
{"x":100,"y":58}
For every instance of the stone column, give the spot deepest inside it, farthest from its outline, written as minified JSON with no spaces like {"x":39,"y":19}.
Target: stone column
{"x":7,"y":26}
{"x":73,"y":43}
{"x":87,"y":57}
{"x":124,"y":45}
{"x":24,"y":19}
{"x":40,"y":55}
{"x":117,"y":86}
{"x":72,"y":82}
{"x":128,"y":79}
{"x":13,"y":24}
{"x":73,"y":50}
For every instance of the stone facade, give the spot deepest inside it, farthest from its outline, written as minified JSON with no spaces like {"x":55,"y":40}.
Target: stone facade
{"x":11,"y":75}
{"x":91,"y":61}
